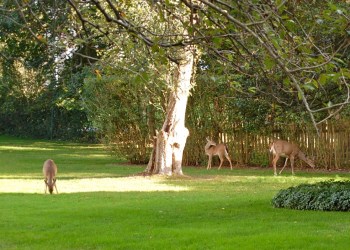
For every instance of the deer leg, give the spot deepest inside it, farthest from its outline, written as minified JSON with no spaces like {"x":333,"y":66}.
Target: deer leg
{"x":229,"y":159}
{"x":209,"y":162}
{"x":285,"y":164}
{"x":292,"y":164}
{"x":221,"y":160}
{"x":45,"y":186}
{"x":274,"y":161}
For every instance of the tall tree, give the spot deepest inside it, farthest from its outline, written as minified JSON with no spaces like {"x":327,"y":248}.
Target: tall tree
{"x":170,"y":141}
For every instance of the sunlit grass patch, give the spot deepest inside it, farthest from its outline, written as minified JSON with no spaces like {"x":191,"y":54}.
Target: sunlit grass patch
{"x":20,"y":148}
{"x":126,"y":184}
{"x":89,"y":156}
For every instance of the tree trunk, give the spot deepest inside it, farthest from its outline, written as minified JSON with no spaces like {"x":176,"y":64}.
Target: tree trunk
{"x":169,"y":143}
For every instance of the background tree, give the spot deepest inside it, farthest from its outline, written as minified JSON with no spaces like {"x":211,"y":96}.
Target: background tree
{"x":39,"y":96}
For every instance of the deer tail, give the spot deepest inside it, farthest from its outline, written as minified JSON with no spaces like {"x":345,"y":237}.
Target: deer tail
{"x":226,"y":148}
{"x":272,"y":147}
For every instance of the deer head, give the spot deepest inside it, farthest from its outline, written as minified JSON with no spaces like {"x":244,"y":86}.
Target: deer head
{"x":50,"y":184}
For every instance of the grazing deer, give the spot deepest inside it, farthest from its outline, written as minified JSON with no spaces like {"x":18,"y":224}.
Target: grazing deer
{"x":289,"y":151}
{"x":50,"y":171}
{"x":211,"y":148}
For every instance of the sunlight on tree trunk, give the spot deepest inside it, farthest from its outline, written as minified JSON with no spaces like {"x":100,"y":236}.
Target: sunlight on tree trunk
{"x":169,"y":143}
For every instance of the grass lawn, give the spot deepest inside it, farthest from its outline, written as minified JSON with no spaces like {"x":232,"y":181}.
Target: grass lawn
{"x":101,"y":206}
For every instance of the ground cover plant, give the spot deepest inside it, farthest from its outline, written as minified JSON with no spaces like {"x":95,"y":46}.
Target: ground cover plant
{"x":102,"y":205}
{"x":327,"y":196}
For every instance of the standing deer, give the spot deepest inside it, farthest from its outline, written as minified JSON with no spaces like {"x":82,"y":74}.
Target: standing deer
{"x":211,"y":148}
{"x":289,"y":151}
{"x":50,"y":171}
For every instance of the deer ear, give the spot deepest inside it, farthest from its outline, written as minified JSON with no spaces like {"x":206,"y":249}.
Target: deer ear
{"x":54,"y":181}
{"x":45,"y":181}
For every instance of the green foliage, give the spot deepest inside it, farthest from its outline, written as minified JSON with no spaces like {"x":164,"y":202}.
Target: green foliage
{"x":31,"y":108}
{"x":39,"y":96}
{"x":123,"y":109}
{"x":325,"y":196}
{"x":259,"y":159}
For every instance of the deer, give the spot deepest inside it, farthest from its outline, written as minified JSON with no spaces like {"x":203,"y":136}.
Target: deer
{"x":211,"y":148}
{"x":288,"y":150}
{"x":50,"y":172}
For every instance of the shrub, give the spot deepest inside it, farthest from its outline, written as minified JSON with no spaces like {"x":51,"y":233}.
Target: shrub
{"x":325,"y":196}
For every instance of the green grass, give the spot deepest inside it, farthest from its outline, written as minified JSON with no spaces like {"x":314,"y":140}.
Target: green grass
{"x":216,"y":210}
{"x":23,"y":158}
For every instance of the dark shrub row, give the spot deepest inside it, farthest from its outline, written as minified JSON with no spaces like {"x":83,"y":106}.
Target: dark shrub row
{"x":325,"y":196}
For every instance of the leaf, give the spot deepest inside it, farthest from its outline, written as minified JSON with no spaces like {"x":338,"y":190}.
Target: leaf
{"x":300,"y":95}
{"x":217,"y":41}
{"x":269,"y":62}
{"x":98,"y":73}
{"x":315,"y":83}
{"x":252,"y":89}
{"x":286,"y":81}
{"x":339,"y":60}
{"x":145,"y":76}
{"x":275,"y":42}
{"x":155,"y":48}
{"x":291,"y":26}
{"x":213,"y":78}
{"x":308,"y":86}
{"x":345,"y":72}
{"x":236,"y":84}
{"x":323,"y":79}
{"x":332,"y":6}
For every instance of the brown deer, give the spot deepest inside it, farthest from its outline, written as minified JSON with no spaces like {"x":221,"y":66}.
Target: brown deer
{"x":289,"y":151}
{"x":211,"y":148}
{"x":50,"y":171}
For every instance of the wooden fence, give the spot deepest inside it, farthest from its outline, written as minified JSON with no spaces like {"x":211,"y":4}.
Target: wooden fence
{"x":330,"y":150}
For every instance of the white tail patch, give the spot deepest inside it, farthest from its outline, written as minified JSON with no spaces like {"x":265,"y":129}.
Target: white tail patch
{"x":272,"y":149}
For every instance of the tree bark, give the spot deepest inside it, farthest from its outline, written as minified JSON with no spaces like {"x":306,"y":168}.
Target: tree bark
{"x":169,"y":143}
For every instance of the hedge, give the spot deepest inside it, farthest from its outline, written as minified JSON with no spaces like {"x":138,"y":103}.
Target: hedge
{"x":325,"y":196}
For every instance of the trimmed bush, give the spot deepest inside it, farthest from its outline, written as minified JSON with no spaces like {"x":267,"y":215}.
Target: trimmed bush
{"x":325,"y":196}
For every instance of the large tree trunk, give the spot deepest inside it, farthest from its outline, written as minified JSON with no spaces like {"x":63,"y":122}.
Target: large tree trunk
{"x":170,"y":142}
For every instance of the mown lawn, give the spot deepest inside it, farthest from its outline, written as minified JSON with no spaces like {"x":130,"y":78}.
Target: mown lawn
{"x":101,"y":207}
